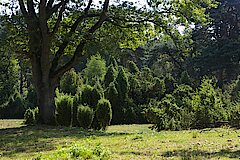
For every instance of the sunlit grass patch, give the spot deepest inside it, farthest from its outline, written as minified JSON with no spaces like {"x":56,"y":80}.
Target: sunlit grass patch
{"x":118,"y":142}
{"x":11,"y":123}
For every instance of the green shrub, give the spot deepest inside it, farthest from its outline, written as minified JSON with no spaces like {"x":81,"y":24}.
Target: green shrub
{"x":90,"y":96}
{"x":76,"y":103}
{"x":174,"y":111}
{"x":15,"y":107}
{"x":96,"y":152}
{"x":64,"y":105}
{"x":96,"y":96}
{"x":86,"y":95}
{"x":234,"y":118}
{"x":122,"y":84}
{"x":208,"y":105}
{"x":112,"y":96}
{"x":110,"y":76}
{"x":70,"y":82}
{"x":36,"y":114}
{"x":95,"y":69}
{"x":104,"y":113}
{"x":29,"y":116}
{"x":133,"y":68}
{"x":85,"y":116}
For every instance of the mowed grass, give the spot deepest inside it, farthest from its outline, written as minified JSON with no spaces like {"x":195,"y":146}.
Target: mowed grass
{"x":121,"y":142}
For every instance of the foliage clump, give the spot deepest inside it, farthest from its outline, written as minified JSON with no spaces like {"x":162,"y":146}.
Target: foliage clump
{"x":85,"y":116}
{"x":95,"y":70}
{"x":185,"y":108}
{"x":14,"y":108}
{"x":208,"y":105}
{"x":70,"y":82}
{"x":64,"y":105}
{"x":104,"y":113}
{"x":31,"y":116}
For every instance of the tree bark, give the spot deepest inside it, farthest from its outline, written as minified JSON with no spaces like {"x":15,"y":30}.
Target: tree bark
{"x":45,"y":88}
{"x":46,"y":104}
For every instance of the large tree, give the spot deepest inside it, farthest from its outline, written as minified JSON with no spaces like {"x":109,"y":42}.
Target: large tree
{"x":218,"y":43}
{"x":56,"y":28}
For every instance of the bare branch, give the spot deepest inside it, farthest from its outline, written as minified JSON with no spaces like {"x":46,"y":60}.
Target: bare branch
{"x":67,"y":39}
{"x":105,"y":5}
{"x":59,"y":19}
{"x":23,"y":8}
{"x":49,"y":4}
{"x":53,"y":9}
{"x":102,"y":18}
{"x":88,"y":7}
{"x":79,"y":49}
{"x":43,"y":2}
{"x":30,"y":6}
{"x":77,"y":56}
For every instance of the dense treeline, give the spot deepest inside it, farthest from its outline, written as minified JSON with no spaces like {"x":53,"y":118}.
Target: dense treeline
{"x":175,"y":81}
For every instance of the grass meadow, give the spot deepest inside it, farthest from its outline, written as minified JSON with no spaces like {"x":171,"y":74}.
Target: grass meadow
{"x":120,"y":142}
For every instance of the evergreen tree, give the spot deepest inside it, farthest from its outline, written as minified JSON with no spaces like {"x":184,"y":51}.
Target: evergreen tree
{"x":110,"y":76}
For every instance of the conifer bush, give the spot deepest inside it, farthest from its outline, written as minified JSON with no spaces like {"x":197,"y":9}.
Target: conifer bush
{"x":104,"y":113}
{"x":133,"y":68}
{"x":122,"y":84}
{"x":64,"y":105}
{"x":76,"y":103}
{"x":70,"y":82}
{"x":86,"y":96}
{"x":85,"y":116}
{"x":112,"y":96}
{"x":110,"y":76}
{"x":29,"y":116}
{"x":208,"y":106}
{"x":15,"y":107}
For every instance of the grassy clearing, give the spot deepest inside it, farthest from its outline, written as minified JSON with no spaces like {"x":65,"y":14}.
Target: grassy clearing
{"x":11,"y":123}
{"x":118,"y":142}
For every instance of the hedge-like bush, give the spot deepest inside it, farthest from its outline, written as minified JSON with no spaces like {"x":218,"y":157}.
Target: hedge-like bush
{"x":31,"y":116}
{"x":104,"y":113}
{"x":85,"y":116}
{"x":64,"y":104}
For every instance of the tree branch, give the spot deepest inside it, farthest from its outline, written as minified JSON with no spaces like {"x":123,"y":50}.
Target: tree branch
{"x":53,"y":9}
{"x":67,"y":40}
{"x":59,"y":19}
{"x":77,"y":54}
{"x":49,"y":4}
{"x":72,"y":30}
{"x":30,"y":6}
{"x":88,"y":7}
{"x":102,"y":18}
{"x":23,"y":8}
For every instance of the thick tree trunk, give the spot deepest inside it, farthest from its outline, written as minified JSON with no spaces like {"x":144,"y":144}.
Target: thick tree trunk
{"x":46,"y":95}
{"x":45,"y":86}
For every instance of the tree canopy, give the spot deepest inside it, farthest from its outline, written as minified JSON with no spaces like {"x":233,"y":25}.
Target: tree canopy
{"x":56,"y":34}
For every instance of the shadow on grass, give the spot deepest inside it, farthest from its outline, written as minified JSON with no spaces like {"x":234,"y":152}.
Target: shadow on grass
{"x":41,"y":138}
{"x":189,"y":154}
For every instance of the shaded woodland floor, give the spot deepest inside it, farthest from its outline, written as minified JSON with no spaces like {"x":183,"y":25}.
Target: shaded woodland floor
{"x":118,"y":142}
